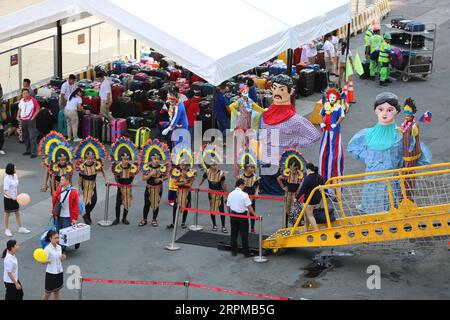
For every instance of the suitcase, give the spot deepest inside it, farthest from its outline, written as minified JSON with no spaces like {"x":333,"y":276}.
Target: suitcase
{"x":116,"y":91}
{"x":80,"y":124}
{"x":91,"y":93}
{"x":297,"y":56}
{"x":149,"y":122}
{"x":142,"y":136}
{"x":97,"y":127}
{"x":134,"y":123}
{"x":160,"y":73}
{"x":320,"y":59}
{"x":175,"y":74}
{"x":196,"y":78}
{"x":123,"y":108}
{"x":141,"y":76}
{"x":306,"y":82}
{"x":94,"y":102}
{"x":118,"y":128}
{"x":62,"y":124}
{"x":260,"y":83}
{"x":418,"y":41}
{"x":198,"y":87}
{"x":155,"y":104}
{"x":133,"y":69}
{"x":260,"y":70}
{"x":152,"y":83}
{"x":315,"y":67}
{"x":156,"y":56}
{"x":321,"y":81}
{"x":402,"y":24}
{"x":119,"y":67}
{"x":136,"y":85}
{"x":397,"y":58}
{"x":57,"y":82}
{"x":395,"y":22}
{"x":207,"y":89}
{"x":87,"y":125}
{"x":106,"y":131}
{"x":85,"y":84}
{"x":139,"y":96}
{"x":415,"y":26}
{"x":44,"y":122}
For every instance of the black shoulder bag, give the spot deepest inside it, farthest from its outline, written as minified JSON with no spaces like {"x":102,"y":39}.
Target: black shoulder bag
{"x":58,"y":204}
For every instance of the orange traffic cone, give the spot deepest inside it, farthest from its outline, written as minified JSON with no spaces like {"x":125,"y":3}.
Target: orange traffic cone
{"x":351,"y":91}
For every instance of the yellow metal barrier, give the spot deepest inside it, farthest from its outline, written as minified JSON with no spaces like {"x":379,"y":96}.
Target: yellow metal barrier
{"x":417,"y":206}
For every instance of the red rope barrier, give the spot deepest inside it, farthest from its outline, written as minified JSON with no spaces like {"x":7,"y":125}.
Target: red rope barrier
{"x":242,"y":293}
{"x":182,"y":284}
{"x":221,"y":213}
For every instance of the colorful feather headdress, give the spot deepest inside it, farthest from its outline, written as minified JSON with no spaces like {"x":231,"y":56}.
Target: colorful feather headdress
{"x":154,"y":148}
{"x":292,"y":158}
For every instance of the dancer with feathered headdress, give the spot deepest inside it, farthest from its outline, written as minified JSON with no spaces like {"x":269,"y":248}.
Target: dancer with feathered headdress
{"x":90,"y":155}
{"x":154,"y":161}
{"x":124,"y":166}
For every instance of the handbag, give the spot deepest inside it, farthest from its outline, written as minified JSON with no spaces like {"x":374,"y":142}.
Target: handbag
{"x":58,"y":204}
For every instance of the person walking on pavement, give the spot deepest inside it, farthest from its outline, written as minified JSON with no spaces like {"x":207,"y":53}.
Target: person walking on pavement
{"x":10,"y":191}
{"x":384,"y":60}
{"x":67,"y":200}
{"x":239,"y":203}
{"x":28,"y":111}
{"x":374,"y":49}
{"x":14,"y":290}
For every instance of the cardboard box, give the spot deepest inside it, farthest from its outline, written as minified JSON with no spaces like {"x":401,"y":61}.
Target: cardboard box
{"x":75,"y":234}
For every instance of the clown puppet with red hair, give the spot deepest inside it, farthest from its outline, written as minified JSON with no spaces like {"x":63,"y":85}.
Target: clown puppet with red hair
{"x":331,"y":159}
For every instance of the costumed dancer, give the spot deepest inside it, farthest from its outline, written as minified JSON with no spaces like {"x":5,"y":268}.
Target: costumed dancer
{"x":154,"y":161}
{"x":411,"y":143}
{"x":209,"y":159}
{"x":293,"y":170}
{"x":381,"y":148}
{"x":245,"y":115}
{"x":183,"y":173}
{"x":331,"y":158}
{"x":52,"y":138}
{"x":248,"y":162}
{"x":178,"y":117}
{"x":281,"y":119}
{"x":124,"y":166}
{"x":60,"y":163}
{"x":90,"y":158}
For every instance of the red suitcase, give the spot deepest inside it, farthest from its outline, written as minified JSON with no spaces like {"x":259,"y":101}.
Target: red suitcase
{"x":87,"y":125}
{"x":117,"y":91}
{"x":320,"y":59}
{"x":175,"y":74}
{"x":297,"y":56}
{"x":141,"y":76}
{"x":94,"y":102}
{"x":196,"y":78}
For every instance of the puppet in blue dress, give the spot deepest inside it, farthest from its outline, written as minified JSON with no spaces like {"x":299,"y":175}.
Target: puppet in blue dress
{"x":381,"y":148}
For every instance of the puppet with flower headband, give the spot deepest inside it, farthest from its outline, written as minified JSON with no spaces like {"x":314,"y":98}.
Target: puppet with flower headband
{"x":177,"y":116}
{"x":293,"y":170}
{"x":209,"y":159}
{"x":125,"y":166}
{"x":183,"y":173}
{"x":331,"y":158}
{"x":45,"y":145}
{"x":154,"y":161}
{"x":248,"y":162}
{"x":90,"y":158}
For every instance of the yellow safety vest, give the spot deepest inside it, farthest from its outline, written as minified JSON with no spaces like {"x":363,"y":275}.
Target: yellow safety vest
{"x":375,"y":42}
{"x":369,"y":34}
{"x":385,"y":53}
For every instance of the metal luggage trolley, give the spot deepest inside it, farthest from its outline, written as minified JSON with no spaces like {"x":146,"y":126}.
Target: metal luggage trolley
{"x":420,"y":61}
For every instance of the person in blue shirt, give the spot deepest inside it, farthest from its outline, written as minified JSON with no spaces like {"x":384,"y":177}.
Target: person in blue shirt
{"x":252,"y":91}
{"x":220,"y":110}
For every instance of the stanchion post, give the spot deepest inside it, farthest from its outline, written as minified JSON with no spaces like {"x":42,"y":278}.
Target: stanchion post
{"x":186,"y":290}
{"x":284,"y":215}
{"x":196,"y":226}
{"x":80,"y":291}
{"x":171,"y":246}
{"x":260,"y":258}
{"x":106,"y":222}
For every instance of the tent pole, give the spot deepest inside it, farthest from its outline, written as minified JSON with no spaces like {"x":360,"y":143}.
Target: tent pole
{"x":289,"y":62}
{"x":59,"y":53}
{"x":214,"y":126}
{"x":135,"y":48}
{"x":348,"y":49}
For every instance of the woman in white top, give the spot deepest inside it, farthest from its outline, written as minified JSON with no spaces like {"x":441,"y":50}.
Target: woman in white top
{"x":10,"y":192}
{"x":311,"y":52}
{"x":11,"y":272}
{"x":54,"y":275}
{"x":74,"y":105}
{"x":343,"y":62}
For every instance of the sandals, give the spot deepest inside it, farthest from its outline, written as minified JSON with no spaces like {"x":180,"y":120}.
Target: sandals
{"x":143,"y":223}
{"x":154,"y":223}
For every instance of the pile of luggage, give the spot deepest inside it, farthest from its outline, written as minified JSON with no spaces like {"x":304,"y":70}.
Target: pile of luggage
{"x":312,"y":78}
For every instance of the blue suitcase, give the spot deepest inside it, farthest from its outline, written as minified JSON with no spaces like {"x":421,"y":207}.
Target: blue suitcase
{"x":315,"y":67}
{"x":136,"y":85}
{"x":415,"y":26}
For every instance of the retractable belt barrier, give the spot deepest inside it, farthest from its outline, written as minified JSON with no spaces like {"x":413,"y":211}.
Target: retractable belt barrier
{"x":185,"y":284}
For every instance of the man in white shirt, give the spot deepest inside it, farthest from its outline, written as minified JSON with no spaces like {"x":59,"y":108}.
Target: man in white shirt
{"x":239,"y":203}
{"x":28,"y":111}
{"x":105,"y":96}
{"x":330,"y":54}
{"x":67,"y":89}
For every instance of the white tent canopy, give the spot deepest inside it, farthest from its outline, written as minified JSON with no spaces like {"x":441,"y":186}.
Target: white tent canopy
{"x":214,"y":39}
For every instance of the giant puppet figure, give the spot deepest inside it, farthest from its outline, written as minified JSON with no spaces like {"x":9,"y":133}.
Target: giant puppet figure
{"x":289,"y":130}
{"x":331,"y":158}
{"x":178,"y":118}
{"x":381,"y":148}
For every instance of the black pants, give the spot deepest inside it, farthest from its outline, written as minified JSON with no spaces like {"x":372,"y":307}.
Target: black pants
{"x":252,"y":221}
{"x":221,"y":209}
{"x":147,"y":204}
{"x":119,"y":204}
{"x":12,"y":293}
{"x":2,"y":138}
{"x":185,"y":213}
{"x":239,"y":226}
{"x":91,"y":205}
